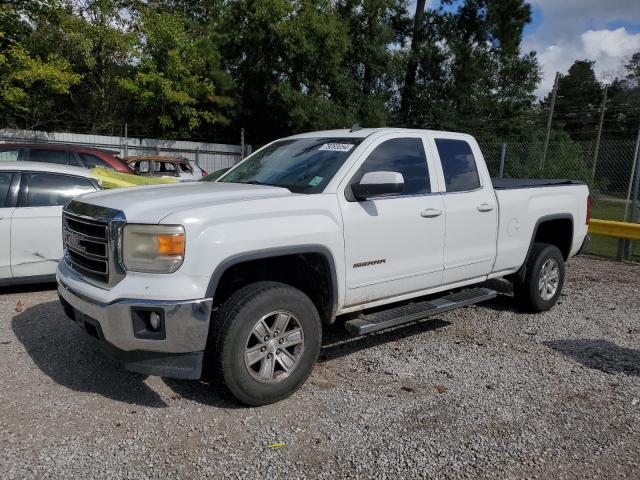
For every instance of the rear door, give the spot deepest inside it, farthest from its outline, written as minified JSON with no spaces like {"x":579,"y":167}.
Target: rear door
{"x":36,"y":226}
{"x":9,"y":182}
{"x":471,"y":206}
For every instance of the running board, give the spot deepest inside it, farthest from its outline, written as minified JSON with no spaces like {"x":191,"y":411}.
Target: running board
{"x":412,"y":312}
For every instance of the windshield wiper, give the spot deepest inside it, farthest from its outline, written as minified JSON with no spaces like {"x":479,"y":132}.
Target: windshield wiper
{"x":256,"y":182}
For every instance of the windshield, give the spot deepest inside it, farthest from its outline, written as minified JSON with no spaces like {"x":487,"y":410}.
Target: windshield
{"x":303,"y":165}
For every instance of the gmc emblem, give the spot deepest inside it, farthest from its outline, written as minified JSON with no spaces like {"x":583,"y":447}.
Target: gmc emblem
{"x":73,"y":240}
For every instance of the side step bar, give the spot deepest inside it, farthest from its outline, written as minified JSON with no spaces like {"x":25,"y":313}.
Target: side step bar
{"x":411,"y":312}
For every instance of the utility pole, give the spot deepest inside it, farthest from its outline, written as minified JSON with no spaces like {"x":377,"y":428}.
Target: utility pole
{"x":126,"y":141}
{"x":554,"y":93}
{"x":597,"y":149}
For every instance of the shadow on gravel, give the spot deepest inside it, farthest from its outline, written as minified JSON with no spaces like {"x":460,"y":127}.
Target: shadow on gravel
{"x":30,"y":288}
{"x":600,"y":355}
{"x":203,"y":393}
{"x":337,"y":342}
{"x":60,"y":350}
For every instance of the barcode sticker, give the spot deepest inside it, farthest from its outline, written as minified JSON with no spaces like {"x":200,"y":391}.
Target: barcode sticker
{"x":337,"y":147}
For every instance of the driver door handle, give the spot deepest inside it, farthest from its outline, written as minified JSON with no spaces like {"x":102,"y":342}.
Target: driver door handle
{"x":431,"y":212}
{"x":485,"y":207}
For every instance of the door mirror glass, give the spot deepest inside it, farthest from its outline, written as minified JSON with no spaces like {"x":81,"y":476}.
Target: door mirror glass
{"x":378,"y":184}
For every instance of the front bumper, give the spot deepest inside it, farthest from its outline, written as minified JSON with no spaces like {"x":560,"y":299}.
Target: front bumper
{"x":176,"y":351}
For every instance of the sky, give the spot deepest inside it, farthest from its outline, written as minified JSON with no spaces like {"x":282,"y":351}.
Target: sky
{"x":607,"y":31}
{"x":562,"y":31}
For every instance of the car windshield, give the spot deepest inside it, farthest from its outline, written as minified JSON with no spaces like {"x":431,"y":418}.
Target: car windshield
{"x":303,"y":165}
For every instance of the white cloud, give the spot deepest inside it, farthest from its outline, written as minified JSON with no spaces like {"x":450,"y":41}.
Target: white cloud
{"x":608,"y":48}
{"x":572,"y":30}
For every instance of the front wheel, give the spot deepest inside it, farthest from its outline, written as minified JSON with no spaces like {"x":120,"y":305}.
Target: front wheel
{"x":265,"y":339}
{"x":544,"y":279}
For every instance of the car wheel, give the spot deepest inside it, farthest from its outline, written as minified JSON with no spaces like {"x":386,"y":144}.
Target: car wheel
{"x":265,"y":339}
{"x":544,"y":279}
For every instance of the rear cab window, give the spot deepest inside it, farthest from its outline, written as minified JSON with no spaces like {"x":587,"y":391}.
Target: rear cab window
{"x":458,"y":165}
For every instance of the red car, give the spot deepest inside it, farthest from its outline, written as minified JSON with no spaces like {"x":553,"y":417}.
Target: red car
{"x":86,"y":157}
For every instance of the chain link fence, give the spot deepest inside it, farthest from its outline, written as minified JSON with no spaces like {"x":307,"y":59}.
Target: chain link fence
{"x":609,"y":177}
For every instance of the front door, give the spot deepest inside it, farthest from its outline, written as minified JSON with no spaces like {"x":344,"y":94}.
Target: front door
{"x":394,"y":245}
{"x":36,"y":227}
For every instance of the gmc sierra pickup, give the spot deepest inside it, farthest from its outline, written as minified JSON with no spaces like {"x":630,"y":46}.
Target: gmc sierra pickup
{"x":232,"y":280}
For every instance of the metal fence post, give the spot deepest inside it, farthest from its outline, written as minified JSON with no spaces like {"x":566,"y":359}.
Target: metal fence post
{"x":198,"y":155}
{"x":632,"y":196}
{"x":126,"y":141}
{"x":503,"y":154}
{"x":242,"y":144}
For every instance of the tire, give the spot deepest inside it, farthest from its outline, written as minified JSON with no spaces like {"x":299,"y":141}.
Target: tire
{"x":529,"y":293}
{"x":234,"y":343}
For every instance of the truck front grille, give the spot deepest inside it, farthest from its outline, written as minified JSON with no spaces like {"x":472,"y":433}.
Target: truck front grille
{"x":86,"y":243}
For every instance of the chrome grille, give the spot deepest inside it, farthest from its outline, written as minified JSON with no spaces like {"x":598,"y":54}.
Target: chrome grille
{"x":92,"y":237}
{"x":86,"y":243}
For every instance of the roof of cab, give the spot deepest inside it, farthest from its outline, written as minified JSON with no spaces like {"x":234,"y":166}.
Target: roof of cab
{"x":45,"y":167}
{"x":365,"y":132}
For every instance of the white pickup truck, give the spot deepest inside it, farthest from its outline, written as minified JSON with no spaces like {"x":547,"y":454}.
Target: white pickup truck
{"x":232,"y":280}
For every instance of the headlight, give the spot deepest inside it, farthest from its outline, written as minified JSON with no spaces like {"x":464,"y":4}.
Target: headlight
{"x":153,"y":248}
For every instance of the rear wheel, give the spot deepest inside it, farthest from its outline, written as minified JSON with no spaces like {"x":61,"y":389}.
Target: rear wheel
{"x":264,"y":340}
{"x":544,"y":279}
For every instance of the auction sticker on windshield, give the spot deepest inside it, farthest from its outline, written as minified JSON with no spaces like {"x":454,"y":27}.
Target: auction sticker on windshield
{"x":337,"y":147}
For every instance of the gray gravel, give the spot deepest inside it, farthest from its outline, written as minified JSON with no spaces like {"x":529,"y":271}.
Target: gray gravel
{"x":483,"y":392}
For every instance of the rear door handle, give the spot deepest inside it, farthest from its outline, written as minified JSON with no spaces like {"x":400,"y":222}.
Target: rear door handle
{"x":485,"y":207}
{"x":431,"y":212}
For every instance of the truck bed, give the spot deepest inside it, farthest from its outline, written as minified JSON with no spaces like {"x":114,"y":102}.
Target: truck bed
{"x":514,"y":183}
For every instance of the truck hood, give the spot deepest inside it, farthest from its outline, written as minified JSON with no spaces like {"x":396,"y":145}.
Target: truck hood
{"x":151,"y":204}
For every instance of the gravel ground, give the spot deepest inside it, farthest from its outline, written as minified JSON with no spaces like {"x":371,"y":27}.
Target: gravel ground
{"x":482,"y":392}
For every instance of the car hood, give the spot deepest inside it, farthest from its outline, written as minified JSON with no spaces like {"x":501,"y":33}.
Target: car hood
{"x":150,"y":204}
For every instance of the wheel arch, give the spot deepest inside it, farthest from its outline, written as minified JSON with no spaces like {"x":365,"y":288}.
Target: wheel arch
{"x":327,"y":307}
{"x":542,"y":232}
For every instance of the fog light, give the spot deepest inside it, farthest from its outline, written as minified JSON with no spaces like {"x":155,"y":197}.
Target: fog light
{"x":154,"y":320}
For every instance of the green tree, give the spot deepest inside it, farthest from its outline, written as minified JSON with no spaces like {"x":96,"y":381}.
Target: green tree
{"x":469,"y":71}
{"x":171,"y":82}
{"x":31,"y":85}
{"x":286,"y":62}
{"x":578,"y":101}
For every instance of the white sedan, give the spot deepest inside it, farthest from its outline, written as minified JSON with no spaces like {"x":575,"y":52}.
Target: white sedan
{"x":31,"y":199}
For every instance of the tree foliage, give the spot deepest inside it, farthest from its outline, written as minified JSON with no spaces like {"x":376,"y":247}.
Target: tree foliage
{"x":185,"y":67}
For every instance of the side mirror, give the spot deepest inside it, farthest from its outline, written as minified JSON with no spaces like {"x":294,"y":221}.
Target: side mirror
{"x":378,"y":184}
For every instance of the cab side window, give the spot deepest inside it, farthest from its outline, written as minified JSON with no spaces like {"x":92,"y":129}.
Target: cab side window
{"x":11,"y":155}
{"x":48,"y":190}
{"x":458,"y":165}
{"x":405,"y":156}
{"x":142,"y":167}
{"x":60,"y":157}
{"x":91,"y":161}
